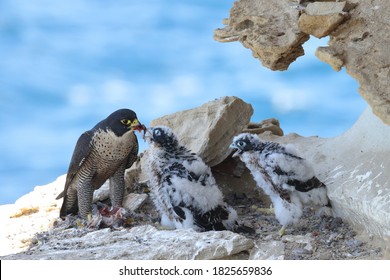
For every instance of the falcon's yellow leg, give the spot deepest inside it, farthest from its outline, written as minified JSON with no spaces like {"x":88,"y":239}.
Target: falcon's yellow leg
{"x":282,"y":231}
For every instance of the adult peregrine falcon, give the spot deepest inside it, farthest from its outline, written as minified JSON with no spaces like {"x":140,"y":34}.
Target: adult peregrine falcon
{"x":183,"y":188}
{"x":102,"y":153}
{"x":284,"y":176}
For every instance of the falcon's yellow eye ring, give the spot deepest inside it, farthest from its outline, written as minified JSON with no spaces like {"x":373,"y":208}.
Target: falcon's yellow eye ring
{"x":126,"y":122}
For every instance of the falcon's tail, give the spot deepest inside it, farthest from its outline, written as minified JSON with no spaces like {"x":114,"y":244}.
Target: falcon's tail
{"x":61,"y":195}
{"x":69,"y":206}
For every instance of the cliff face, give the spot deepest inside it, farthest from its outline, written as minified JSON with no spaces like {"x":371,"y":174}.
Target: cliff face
{"x":358,"y":31}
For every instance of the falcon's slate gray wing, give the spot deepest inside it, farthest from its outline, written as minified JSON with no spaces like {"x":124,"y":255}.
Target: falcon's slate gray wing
{"x":80,"y":154}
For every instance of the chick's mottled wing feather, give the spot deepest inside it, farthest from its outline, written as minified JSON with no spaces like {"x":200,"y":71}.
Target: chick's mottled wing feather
{"x":193,"y":171}
{"x":197,"y":174}
{"x":294,"y":169}
{"x":305,"y":186}
{"x":283,"y":163}
{"x":80,"y":154}
{"x":212,"y":220}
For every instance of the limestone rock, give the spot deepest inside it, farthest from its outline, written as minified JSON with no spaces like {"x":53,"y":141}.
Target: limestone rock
{"x":268,"y":28}
{"x":360,"y":44}
{"x":324,"y":8}
{"x":209,"y":129}
{"x":321,"y":18}
{"x":359,"y":181}
{"x":270,"y":125}
{"x":327,"y":55}
{"x":132,"y":176}
{"x":102,"y":193}
{"x":234,"y":178}
{"x":33,"y":212}
{"x":133,"y":201}
{"x":305,"y":241}
{"x":268,"y":250}
{"x":143,"y":243}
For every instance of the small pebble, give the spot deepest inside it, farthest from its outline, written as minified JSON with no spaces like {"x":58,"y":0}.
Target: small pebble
{"x":301,"y":251}
{"x":353,"y":243}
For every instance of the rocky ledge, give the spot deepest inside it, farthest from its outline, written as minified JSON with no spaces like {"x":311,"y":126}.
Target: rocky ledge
{"x":352,"y":165}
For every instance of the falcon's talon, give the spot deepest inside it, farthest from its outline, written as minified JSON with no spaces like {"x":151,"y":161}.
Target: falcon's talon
{"x":80,"y":223}
{"x":282,"y":231}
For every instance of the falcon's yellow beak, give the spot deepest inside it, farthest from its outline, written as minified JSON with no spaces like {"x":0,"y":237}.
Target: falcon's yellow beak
{"x":134,"y":124}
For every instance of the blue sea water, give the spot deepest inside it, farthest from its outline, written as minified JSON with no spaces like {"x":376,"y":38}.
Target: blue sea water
{"x":67,"y":64}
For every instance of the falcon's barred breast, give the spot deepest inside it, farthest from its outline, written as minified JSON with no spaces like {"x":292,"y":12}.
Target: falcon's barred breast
{"x":285,"y":177}
{"x":183,"y":188}
{"x":102,"y":153}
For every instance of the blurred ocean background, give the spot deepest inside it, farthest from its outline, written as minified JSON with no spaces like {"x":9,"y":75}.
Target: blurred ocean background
{"x":67,"y":64}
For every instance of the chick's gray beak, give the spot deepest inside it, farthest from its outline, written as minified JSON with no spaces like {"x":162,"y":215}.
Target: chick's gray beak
{"x":234,"y":147}
{"x":149,"y":135}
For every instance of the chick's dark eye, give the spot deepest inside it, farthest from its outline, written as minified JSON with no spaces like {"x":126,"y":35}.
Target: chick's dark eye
{"x":157,"y":132}
{"x":241,"y":143}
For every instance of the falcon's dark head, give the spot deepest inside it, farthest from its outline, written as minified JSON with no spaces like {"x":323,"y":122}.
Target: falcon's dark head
{"x":245,"y":142}
{"x":120,"y":122}
{"x":164,"y":137}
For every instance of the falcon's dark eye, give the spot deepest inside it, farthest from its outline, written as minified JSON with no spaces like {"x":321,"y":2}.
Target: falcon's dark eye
{"x":126,"y":122}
